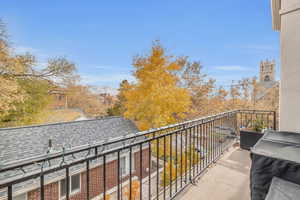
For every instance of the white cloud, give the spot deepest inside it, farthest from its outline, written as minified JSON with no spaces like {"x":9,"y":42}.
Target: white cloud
{"x":111,"y":68}
{"x":261,"y":47}
{"x":41,"y":57}
{"x":231,"y":68}
{"x":36,"y":52}
{"x":103,"y":67}
{"x":105,"y":79}
{"x":24,"y":49}
{"x":41,"y":65}
{"x":104,"y":89}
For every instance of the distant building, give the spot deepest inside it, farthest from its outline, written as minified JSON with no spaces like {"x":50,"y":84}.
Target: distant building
{"x":267,"y":91}
{"x":267,"y":71}
{"x":107,"y":99}
{"x":60,"y":98}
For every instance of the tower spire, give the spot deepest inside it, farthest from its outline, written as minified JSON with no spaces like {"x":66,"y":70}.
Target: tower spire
{"x":267,"y":71}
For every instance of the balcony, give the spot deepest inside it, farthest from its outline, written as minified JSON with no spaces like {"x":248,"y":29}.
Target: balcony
{"x":227,"y":179}
{"x":192,"y":159}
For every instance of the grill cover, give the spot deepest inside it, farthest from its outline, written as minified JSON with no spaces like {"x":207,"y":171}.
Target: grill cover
{"x":283,"y":190}
{"x":277,"y":154}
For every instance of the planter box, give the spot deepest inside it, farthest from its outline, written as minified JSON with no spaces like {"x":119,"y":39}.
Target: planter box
{"x":249,"y":138}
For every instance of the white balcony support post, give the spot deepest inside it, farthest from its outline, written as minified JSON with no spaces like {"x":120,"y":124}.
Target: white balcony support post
{"x":286,"y":19}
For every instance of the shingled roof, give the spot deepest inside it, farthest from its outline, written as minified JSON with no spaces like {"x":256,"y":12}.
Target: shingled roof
{"x":23,"y":142}
{"x":31,"y":141}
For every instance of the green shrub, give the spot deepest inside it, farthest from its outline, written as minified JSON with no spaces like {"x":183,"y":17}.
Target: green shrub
{"x":259,"y":125}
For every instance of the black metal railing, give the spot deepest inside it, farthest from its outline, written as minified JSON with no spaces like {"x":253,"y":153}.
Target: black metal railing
{"x":154,"y":164}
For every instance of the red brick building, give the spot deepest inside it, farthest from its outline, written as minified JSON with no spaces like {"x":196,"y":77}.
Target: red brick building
{"x":54,"y":190}
{"x":34,"y":140}
{"x":60,"y":98}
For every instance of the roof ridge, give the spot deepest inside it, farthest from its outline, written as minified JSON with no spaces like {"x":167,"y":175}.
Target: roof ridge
{"x":59,"y":123}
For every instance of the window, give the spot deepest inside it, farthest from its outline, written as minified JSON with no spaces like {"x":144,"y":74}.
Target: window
{"x":267,"y":78}
{"x":124,"y":164}
{"x":20,"y":197}
{"x":74,"y":185}
{"x":123,"y":170}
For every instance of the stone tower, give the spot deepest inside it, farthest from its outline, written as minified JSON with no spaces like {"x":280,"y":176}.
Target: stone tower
{"x":267,"y":71}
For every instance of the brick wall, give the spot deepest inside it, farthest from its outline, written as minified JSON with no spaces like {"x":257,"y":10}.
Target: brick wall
{"x":59,"y":101}
{"x":96,"y":179}
{"x":51,"y":192}
{"x":145,"y":163}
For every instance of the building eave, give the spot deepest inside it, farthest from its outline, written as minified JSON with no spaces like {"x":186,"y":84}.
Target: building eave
{"x":276,"y":21}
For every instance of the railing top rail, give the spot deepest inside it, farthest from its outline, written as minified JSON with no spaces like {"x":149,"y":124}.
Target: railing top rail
{"x":257,"y":111}
{"x":37,"y":173}
{"x":83,"y":148}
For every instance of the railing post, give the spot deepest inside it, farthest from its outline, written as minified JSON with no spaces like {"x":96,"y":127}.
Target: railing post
{"x":42,"y":191}
{"x":274,"y":118}
{"x":236,"y":127}
{"x":9,"y":192}
{"x":87,"y":179}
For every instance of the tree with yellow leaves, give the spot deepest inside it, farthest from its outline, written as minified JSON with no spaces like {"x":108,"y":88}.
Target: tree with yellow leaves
{"x":107,"y":197}
{"x":184,"y":162}
{"x":10,"y":91}
{"x":135,"y":190}
{"x":23,"y":84}
{"x":156,"y":99}
{"x":206,"y":97}
{"x":170,"y":170}
{"x":118,"y":109}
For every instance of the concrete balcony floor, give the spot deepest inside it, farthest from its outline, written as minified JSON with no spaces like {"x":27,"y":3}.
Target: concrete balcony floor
{"x":227,"y":179}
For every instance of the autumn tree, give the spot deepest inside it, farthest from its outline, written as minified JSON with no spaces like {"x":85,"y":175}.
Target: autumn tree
{"x":156,"y":99}
{"x":25,"y":112}
{"x":218,"y":102}
{"x":189,"y":158}
{"x":201,"y":88}
{"x":81,"y":97}
{"x":255,"y":90}
{"x":234,"y":94}
{"x":10,"y":91}
{"x":170,"y":173}
{"x":20,"y":73}
{"x":135,"y":190}
{"x":243,"y":94}
{"x":119,"y":109}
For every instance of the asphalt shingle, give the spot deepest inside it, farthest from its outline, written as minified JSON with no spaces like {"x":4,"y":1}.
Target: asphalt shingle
{"x":23,"y":142}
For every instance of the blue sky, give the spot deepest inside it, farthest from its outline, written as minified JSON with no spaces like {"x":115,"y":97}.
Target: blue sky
{"x":229,"y":37}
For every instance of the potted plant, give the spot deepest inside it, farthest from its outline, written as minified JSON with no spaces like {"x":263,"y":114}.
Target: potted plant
{"x":250,"y":135}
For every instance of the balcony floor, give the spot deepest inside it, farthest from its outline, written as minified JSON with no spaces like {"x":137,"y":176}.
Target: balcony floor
{"x":228,"y":179}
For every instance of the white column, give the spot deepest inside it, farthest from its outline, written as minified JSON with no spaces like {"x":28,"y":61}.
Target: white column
{"x":290,"y":66}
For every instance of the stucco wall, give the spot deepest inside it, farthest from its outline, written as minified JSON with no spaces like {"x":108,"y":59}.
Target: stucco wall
{"x":289,"y":3}
{"x":290,"y":66}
